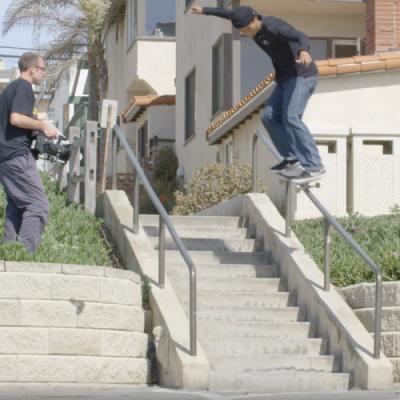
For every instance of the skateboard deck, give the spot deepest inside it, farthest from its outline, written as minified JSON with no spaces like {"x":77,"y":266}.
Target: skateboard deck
{"x":299,"y":181}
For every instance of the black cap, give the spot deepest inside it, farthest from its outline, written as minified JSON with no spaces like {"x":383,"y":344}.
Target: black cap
{"x":242,"y":16}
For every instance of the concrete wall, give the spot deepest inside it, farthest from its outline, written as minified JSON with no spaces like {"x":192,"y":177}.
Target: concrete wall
{"x":71,"y":324}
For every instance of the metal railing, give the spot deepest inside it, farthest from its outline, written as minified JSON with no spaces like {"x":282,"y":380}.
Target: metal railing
{"x":164,"y":221}
{"x":330,"y":221}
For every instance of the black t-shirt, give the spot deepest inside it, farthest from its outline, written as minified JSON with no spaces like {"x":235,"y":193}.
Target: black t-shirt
{"x":17,"y":97}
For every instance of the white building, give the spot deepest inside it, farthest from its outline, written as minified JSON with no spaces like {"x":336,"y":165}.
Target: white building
{"x":70,"y":94}
{"x":140,"y":53}
{"x":352,"y":114}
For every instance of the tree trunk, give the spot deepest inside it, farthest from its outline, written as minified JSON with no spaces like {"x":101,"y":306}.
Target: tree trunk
{"x":93,"y":86}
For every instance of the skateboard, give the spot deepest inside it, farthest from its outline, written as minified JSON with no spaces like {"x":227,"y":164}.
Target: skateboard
{"x":304,"y":181}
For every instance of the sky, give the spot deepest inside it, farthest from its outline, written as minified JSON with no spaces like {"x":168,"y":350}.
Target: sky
{"x":17,"y":37}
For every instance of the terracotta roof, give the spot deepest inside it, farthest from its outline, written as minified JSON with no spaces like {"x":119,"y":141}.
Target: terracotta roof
{"x":142,"y":102}
{"x":331,"y":67}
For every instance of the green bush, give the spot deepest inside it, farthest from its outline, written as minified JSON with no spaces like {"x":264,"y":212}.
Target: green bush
{"x":379,"y":236}
{"x":166,"y":165}
{"x":73,"y":236}
{"x":212,"y":184}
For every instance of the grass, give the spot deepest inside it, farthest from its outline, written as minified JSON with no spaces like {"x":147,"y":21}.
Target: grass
{"x":73,"y":236}
{"x":379,"y":236}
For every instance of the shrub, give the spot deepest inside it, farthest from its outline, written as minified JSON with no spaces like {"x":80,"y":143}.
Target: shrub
{"x":164,"y":182}
{"x":212,"y":184}
{"x":73,"y":236}
{"x":379,"y":236}
{"x":166,"y":165}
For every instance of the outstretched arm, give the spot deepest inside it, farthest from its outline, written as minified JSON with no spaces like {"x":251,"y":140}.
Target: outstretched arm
{"x":216,"y":12}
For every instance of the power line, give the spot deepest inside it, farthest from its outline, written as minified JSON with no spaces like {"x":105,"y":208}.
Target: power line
{"x":20,"y":48}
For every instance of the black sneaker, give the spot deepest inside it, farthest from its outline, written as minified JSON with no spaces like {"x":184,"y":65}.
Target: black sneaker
{"x":309,"y":176}
{"x":284,"y":165}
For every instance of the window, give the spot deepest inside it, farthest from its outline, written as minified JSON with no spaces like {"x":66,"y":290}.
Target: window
{"x":142,"y":141}
{"x":190,"y":104}
{"x":345,"y":48}
{"x":319,"y":49}
{"x":132,"y":21}
{"x":229,"y":152}
{"x":222,"y":74}
{"x":160,"y":18}
{"x":323,"y":48}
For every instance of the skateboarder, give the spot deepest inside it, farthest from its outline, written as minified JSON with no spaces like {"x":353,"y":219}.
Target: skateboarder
{"x":296,"y":79}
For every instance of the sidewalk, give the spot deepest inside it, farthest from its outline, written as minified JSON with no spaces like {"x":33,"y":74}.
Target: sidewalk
{"x":38,"y":392}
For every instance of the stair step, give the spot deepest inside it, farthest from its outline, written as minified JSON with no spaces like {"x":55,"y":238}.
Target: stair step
{"x":203,"y":232}
{"x":181,"y":282}
{"x":181,"y":220}
{"x":286,"y":314}
{"x":390,"y":318}
{"x":206,"y":298}
{"x":219,"y":245}
{"x":244,"y":271}
{"x":269,"y":362}
{"x":230,"y":346}
{"x":211,"y":257}
{"x":278,"y":381}
{"x":221,"y":329}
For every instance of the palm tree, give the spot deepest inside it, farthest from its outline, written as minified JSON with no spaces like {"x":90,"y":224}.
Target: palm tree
{"x":78,"y":27}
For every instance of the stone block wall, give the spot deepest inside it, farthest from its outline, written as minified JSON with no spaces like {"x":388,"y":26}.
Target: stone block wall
{"x":71,"y":324}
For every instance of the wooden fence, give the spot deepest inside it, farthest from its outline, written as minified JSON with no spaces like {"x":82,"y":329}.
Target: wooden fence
{"x":79,"y":175}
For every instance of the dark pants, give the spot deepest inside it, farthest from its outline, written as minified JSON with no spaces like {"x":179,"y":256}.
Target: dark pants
{"x":27,"y":204}
{"x":282,"y":118}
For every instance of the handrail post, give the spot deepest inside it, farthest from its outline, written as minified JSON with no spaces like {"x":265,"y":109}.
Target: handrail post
{"x":378,"y":315}
{"x":161,"y":253}
{"x":254,"y":164}
{"x":193,"y":312}
{"x":327,"y":252}
{"x":114,"y":145}
{"x":288,"y":231}
{"x":136,"y":205}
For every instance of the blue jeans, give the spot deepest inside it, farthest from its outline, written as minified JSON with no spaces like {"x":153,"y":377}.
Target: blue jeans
{"x":282,"y":118}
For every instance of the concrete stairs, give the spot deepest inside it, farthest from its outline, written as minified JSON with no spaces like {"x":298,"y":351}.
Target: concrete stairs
{"x":255,"y":336}
{"x":362,"y":299}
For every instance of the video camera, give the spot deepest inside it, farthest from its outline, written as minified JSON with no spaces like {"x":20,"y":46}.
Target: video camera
{"x":54,"y":151}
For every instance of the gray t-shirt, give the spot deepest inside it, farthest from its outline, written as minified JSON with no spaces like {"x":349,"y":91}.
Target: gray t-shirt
{"x":17,"y":97}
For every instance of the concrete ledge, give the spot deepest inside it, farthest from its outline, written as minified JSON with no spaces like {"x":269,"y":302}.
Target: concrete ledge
{"x":333,"y":317}
{"x":177,"y":368}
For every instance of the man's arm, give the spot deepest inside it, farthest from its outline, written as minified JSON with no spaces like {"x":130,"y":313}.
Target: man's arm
{"x":24,"y":122}
{"x":288,"y":32}
{"x":216,"y":12}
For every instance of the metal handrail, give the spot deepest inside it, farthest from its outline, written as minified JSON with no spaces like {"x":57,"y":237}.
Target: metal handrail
{"x":165,"y":221}
{"x":330,"y":221}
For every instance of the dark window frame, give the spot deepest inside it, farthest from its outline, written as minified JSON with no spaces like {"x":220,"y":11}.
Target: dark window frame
{"x":222,"y":75}
{"x":190,"y":105}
